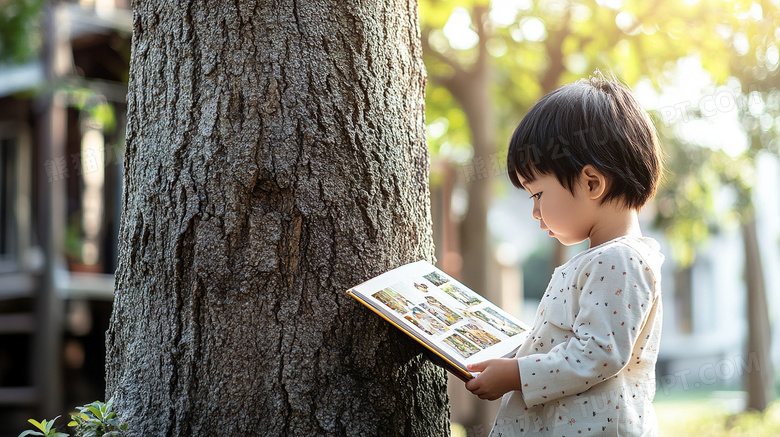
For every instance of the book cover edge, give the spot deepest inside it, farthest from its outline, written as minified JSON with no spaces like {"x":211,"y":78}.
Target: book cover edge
{"x":455,"y":369}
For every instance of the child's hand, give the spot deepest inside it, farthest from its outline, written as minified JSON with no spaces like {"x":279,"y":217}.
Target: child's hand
{"x":497,"y":377}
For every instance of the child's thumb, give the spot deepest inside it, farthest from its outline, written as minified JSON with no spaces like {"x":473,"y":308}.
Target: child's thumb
{"x":476,"y":367}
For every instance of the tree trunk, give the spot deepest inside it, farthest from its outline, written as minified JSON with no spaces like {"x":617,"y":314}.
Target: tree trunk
{"x":759,"y":375}
{"x":275,"y":157}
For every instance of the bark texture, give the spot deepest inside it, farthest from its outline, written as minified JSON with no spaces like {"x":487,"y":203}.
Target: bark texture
{"x":275,"y":157}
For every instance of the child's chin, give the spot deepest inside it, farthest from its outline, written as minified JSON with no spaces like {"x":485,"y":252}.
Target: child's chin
{"x":566,"y":241}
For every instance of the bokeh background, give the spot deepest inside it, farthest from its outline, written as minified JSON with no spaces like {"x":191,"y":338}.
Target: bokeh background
{"x":706,"y":70}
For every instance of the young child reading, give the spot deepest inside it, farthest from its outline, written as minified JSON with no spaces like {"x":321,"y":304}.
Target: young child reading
{"x":589,"y":156}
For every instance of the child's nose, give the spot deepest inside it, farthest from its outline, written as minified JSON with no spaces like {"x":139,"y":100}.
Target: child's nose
{"x":536,"y":212}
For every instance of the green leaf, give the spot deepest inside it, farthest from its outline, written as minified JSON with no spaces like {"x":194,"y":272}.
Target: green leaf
{"x":96,"y":411}
{"x":78,"y":419}
{"x":28,"y":432}
{"x":49,"y":424}
{"x":38,"y":425}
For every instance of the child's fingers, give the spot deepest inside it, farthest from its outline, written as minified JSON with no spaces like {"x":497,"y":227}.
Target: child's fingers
{"x":472,"y":385}
{"x":476,"y":367}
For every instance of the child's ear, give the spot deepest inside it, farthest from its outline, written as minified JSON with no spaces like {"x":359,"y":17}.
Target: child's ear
{"x":594,"y":181}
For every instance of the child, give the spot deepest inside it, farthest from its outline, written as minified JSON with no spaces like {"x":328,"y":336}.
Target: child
{"x":588,"y":155}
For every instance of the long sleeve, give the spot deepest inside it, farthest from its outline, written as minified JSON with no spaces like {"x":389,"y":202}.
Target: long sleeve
{"x":588,"y":365}
{"x":597,"y":314}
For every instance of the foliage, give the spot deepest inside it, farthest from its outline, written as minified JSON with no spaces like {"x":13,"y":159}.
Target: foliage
{"x":19,"y":35}
{"x":535,"y":46}
{"x":748,"y":57}
{"x":695,"y":200}
{"x":92,"y":420}
{"x":93,"y":105}
{"x":96,"y":420}
{"x":45,"y":427}
{"x":20,"y":40}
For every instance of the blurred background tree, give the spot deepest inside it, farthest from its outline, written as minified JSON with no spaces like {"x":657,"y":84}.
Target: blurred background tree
{"x":488,"y":63}
{"x":743,"y":59}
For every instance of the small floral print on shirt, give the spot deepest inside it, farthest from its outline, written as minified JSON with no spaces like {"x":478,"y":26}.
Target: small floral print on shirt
{"x":606,"y":308}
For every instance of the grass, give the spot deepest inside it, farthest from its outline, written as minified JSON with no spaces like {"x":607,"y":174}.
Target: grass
{"x":714,"y":415}
{"x":704,"y":414}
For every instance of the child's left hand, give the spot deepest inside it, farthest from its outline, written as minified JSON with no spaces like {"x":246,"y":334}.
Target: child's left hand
{"x":497,"y":377}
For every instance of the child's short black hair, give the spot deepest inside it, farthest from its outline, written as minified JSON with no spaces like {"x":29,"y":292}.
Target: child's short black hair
{"x":594,"y":121}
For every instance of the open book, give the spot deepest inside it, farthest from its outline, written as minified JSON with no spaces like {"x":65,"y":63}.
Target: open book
{"x":458,"y":325}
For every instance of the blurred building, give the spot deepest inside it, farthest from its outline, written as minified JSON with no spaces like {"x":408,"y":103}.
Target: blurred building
{"x":704,"y":344}
{"x":61,"y":142}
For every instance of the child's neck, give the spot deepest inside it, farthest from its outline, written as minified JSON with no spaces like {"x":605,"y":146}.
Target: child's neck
{"x":615,"y":222}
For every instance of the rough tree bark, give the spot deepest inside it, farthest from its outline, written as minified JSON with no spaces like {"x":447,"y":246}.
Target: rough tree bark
{"x":275,"y":157}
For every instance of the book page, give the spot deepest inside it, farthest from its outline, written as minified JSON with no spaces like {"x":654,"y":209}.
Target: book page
{"x":443,"y":313}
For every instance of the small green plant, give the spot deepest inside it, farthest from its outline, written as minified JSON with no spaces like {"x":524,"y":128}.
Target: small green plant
{"x":97,"y":420}
{"x":45,"y":428}
{"x":92,"y":420}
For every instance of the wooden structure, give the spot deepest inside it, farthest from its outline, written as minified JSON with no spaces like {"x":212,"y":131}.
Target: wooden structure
{"x":61,"y":142}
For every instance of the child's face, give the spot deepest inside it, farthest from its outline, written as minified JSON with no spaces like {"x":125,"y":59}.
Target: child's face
{"x":564,"y":215}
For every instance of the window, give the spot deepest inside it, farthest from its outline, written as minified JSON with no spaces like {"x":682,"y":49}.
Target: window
{"x":8,"y":175}
{"x":14,"y":196}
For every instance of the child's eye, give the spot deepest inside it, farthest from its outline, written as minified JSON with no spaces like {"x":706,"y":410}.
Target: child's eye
{"x":537,"y":196}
